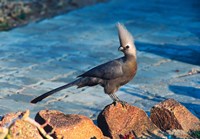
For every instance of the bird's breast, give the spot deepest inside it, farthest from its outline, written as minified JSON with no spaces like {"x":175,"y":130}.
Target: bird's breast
{"x":129,"y":71}
{"x":130,"y":68}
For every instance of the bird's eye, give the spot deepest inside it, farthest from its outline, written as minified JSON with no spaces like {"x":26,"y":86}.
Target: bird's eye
{"x":127,"y":47}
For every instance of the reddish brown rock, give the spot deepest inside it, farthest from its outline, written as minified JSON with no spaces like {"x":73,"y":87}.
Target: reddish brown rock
{"x":9,"y":117}
{"x":19,"y":128}
{"x":117,"y":122}
{"x":68,"y":126}
{"x":170,"y":114}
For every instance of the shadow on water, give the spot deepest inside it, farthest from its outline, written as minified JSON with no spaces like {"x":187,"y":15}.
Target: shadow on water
{"x":187,"y":91}
{"x":175,"y":52}
{"x":191,"y":91}
{"x":146,"y":96}
{"x":193,"y":108}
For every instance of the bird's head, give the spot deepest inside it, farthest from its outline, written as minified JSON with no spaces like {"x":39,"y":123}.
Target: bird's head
{"x":126,"y":41}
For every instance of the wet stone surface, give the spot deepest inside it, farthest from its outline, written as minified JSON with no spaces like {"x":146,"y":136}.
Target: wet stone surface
{"x":41,"y":56}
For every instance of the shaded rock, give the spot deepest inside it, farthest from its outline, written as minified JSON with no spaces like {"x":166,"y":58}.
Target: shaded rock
{"x":19,"y":128}
{"x":81,"y":3}
{"x":70,"y":126}
{"x":177,"y":133}
{"x":117,"y":121}
{"x":170,"y":114}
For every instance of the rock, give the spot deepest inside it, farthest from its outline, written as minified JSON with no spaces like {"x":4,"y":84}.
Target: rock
{"x":170,"y":114}
{"x":19,"y":12}
{"x":117,"y":122}
{"x":70,"y":126}
{"x":9,"y":117}
{"x":81,"y":3}
{"x":19,"y":128}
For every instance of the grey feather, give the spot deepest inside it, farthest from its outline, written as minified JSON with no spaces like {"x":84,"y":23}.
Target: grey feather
{"x":107,"y":71}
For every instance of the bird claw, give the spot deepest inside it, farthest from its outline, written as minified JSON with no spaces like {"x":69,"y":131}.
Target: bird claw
{"x":123,"y":103}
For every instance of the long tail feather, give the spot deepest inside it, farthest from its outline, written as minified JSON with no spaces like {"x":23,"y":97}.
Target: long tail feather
{"x":43,"y":96}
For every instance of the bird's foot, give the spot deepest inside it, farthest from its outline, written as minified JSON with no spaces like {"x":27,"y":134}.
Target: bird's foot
{"x":123,"y":103}
{"x":117,"y":100}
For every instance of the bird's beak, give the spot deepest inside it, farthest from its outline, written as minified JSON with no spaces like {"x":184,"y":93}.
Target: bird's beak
{"x":120,"y":48}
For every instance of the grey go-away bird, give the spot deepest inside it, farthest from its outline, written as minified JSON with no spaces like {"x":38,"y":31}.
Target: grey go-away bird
{"x":110,"y":75}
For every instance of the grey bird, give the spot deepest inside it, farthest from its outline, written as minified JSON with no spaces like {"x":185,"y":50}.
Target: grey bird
{"x":110,"y":75}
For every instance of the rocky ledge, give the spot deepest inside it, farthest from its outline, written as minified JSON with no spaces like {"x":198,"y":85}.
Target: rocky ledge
{"x":19,"y":12}
{"x":168,"y":119}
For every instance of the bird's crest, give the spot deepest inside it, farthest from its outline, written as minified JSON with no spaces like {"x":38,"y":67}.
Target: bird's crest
{"x":126,"y":39}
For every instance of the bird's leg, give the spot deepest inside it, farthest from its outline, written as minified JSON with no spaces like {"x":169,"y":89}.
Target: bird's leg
{"x":116,"y":99}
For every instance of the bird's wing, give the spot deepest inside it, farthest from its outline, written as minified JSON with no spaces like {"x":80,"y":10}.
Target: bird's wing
{"x":107,"y":71}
